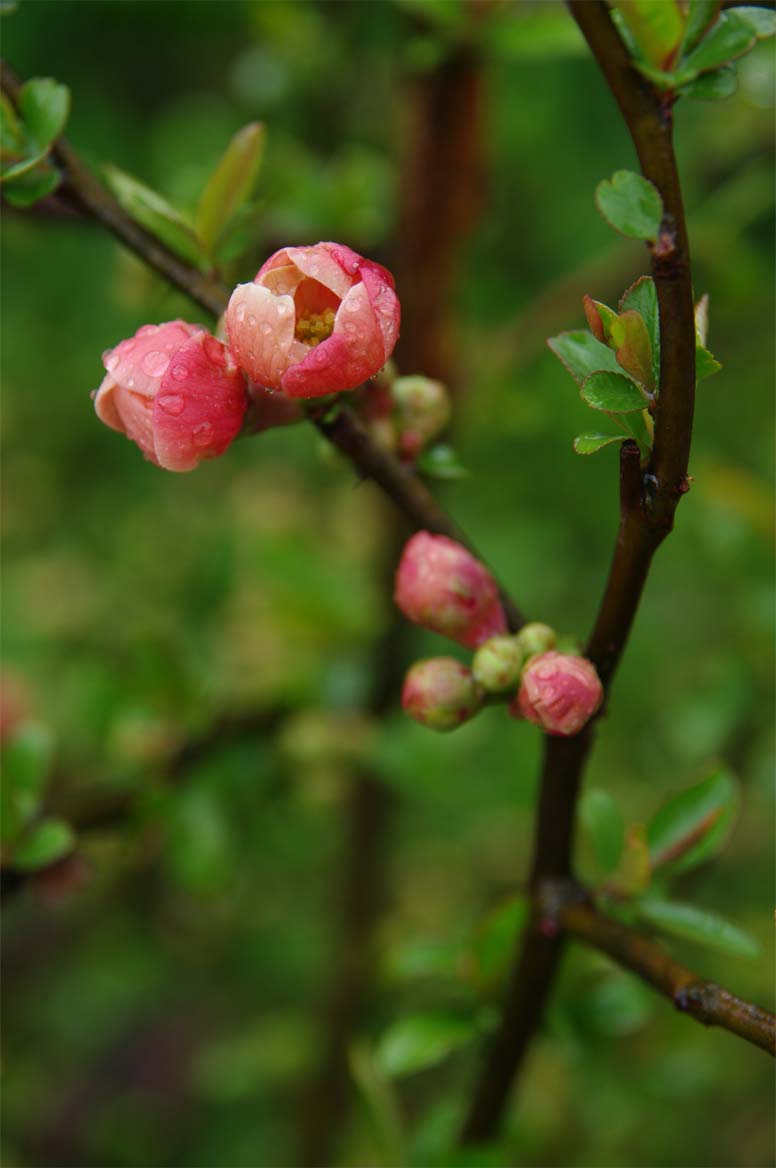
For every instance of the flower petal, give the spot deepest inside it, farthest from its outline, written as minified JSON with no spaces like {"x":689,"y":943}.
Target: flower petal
{"x":378,"y":282}
{"x":200,"y":406}
{"x":260,"y":327}
{"x":319,"y":264}
{"x":135,"y":412}
{"x":354,"y":352}
{"x":139,"y":363}
{"x":105,"y":406}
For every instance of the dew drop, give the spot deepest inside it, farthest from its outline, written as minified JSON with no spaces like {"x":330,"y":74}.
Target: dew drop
{"x":202,"y":434}
{"x":214,"y":351}
{"x":155,"y":363}
{"x":146,"y":330}
{"x":265,"y":328}
{"x":131,"y":383}
{"x":179,"y":372}
{"x":252,"y":320}
{"x":351,"y":306}
{"x":350,"y":327}
{"x":240,"y":311}
{"x":172,"y":403}
{"x":283,"y":309}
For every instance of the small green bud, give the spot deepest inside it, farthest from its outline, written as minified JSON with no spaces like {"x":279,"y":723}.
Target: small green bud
{"x":497,"y":664}
{"x":536,"y":638}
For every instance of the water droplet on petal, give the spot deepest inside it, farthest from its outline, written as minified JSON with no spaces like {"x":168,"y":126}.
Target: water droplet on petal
{"x":172,"y":403}
{"x":351,"y":306}
{"x":179,"y":372}
{"x":131,"y":382}
{"x":240,"y":311}
{"x":265,"y":328}
{"x":214,"y":351}
{"x":252,"y":320}
{"x":146,"y":329}
{"x":155,"y":363}
{"x":111,"y":360}
{"x":283,"y":309}
{"x":202,"y":434}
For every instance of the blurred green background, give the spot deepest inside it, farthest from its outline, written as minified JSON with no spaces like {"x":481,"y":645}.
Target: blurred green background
{"x":163,"y":993}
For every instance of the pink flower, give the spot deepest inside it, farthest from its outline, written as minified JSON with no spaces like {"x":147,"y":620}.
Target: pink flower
{"x":175,"y":391}
{"x":558,"y":692}
{"x":440,"y":586}
{"x":440,"y":693}
{"x":314,"y":321}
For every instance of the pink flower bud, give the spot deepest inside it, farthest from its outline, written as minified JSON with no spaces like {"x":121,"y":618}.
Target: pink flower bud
{"x":440,"y":693}
{"x":440,"y":586}
{"x":316,"y":320}
{"x":558,"y":692}
{"x":175,"y":391}
{"x":423,"y":409}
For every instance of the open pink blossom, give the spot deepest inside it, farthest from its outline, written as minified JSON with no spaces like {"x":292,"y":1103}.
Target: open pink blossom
{"x":175,"y":391}
{"x":558,"y":692}
{"x":314,"y":321}
{"x":440,"y":586}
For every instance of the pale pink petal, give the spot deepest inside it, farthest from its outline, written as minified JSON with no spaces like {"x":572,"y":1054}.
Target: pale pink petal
{"x":318,"y":264}
{"x":261,"y":326}
{"x":379,"y":285}
{"x":353,"y":353}
{"x":104,"y":405}
{"x":139,"y":363}
{"x":282,"y":279}
{"x":350,"y":261}
{"x":135,"y":412}
{"x":200,"y":406}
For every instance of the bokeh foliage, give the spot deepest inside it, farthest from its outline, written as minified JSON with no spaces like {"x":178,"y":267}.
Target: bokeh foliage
{"x":163,"y":1010}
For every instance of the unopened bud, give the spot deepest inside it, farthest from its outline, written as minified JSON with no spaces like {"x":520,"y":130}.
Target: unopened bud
{"x":440,"y":693}
{"x":535,"y":638}
{"x":558,"y":692}
{"x":497,"y":664}
{"x":423,"y":409}
{"x":441,"y":587}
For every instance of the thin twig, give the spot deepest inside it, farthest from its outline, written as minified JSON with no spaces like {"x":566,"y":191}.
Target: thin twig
{"x":700,"y":999}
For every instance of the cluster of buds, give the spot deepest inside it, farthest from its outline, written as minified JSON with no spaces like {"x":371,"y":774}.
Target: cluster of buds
{"x":405,"y":414}
{"x":315,"y":321}
{"x":443,"y":588}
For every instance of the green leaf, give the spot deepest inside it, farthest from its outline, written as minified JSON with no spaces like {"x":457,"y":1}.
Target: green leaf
{"x":496,"y":937}
{"x":603,"y":822}
{"x":641,"y":297}
{"x":712,"y":86}
{"x":612,"y":392}
{"x":630,"y":340}
{"x":11,"y":131}
{"x":231,"y":184}
{"x":630,"y":204}
{"x":582,"y":354}
{"x":44,"y":106}
{"x":696,"y":924}
{"x":705,"y":364}
{"x":592,"y":443}
{"x":43,"y":844}
{"x":700,"y":16}
{"x":155,"y":214}
{"x":29,"y":188}
{"x":634,"y":872}
{"x":729,"y":37}
{"x":762,"y":21}
{"x":656,"y":28}
{"x":441,"y":462}
{"x":691,"y":827}
{"x":422,"y":1040}
{"x":241,"y":233}
{"x":27,"y":757}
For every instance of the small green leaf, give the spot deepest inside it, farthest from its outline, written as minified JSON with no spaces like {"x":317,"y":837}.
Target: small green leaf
{"x":729,"y":37}
{"x":712,"y":86}
{"x":241,"y":233}
{"x":155,"y":214}
{"x":656,"y":28}
{"x":441,"y":462}
{"x":701,"y":14}
{"x":29,"y":188}
{"x":630,"y":340}
{"x":231,"y":183}
{"x":582,"y":354}
{"x":634,"y":872}
{"x":702,"y":320}
{"x":761,"y":20}
{"x":612,"y":392}
{"x":696,"y":924}
{"x":705,"y":364}
{"x":43,"y":844}
{"x":641,"y":297}
{"x":11,"y":131}
{"x":691,"y":827}
{"x":592,"y":443}
{"x":422,"y":1040}
{"x":44,"y":106}
{"x":630,"y":204}
{"x":603,"y":822}
{"x":494,"y":942}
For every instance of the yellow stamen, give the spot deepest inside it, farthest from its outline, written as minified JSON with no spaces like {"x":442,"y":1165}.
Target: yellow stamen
{"x":315,"y":327}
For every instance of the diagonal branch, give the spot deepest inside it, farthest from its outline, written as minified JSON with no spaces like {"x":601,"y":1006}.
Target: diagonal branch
{"x":85,"y":193}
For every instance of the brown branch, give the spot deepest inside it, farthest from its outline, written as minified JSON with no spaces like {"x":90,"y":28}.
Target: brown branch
{"x":648,"y":500}
{"x":703,"y":1000}
{"x":343,"y":430}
